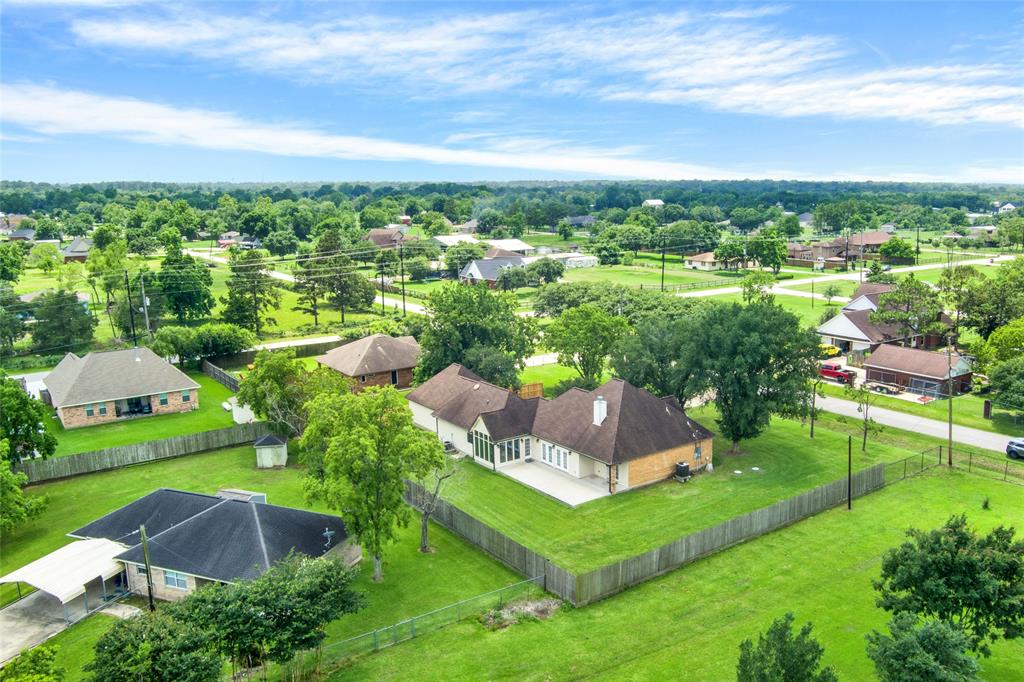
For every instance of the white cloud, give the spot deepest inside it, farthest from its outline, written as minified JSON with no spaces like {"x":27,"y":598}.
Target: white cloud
{"x":729,"y":60}
{"x":51,"y":111}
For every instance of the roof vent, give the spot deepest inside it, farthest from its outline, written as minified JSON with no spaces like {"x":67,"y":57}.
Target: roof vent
{"x":600,"y":410}
{"x":242,"y":495}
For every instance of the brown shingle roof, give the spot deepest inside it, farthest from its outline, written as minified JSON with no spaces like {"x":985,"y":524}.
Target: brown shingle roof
{"x":457,"y":395}
{"x":871,"y":289}
{"x":386,"y":237}
{"x":877,"y":333}
{"x":876,"y":238}
{"x":913,"y":361}
{"x":372,"y":354}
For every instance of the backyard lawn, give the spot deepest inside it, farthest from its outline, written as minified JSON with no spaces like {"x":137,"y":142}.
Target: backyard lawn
{"x":209,"y":416}
{"x":635,"y":276}
{"x":689,"y":623}
{"x":810,"y":315}
{"x":968,"y":410}
{"x":414,"y":583}
{"x":630,"y":523}
{"x":846,"y":287}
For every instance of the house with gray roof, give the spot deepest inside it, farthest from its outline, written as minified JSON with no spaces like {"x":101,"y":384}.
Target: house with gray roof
{"x":77,"y":250}
{"x":579,"y":446}
{"x":119,"y":384}
{"x":375,"y":360}
{"x":487,"y":270}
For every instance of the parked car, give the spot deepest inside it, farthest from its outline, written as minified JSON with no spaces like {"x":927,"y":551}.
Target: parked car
{"x":835,"y":371}
{"x":1015,"y":448}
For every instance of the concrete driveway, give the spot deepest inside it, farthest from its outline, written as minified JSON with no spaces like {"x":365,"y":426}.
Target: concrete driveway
{"x":29,"y":622}
{"x":33,"y":382}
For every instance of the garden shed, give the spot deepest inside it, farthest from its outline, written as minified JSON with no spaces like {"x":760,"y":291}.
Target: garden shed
{"x":271,"y":452}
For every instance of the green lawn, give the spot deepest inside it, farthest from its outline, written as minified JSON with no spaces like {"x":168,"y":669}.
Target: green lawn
{"x":932,"y":276}
{"x":846,"y":288}
{"x":635,"y":276}
{"x":75,"y":645}
{"x":968,"y":410}
{"x":688,"y":624}
{"x":549,"y":375}
{"x":209,"y":416}
{"x":810,"y":315}
{"x":630,"y":523}
{"x":555,"y":241}
{"x":413,"y":582}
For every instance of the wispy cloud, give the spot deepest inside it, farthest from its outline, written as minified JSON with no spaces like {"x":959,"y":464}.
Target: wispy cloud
{"x":727,"y":59}
{"x":52,"y":111}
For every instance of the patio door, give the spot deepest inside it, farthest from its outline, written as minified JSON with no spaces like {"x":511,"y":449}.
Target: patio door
{"x":555,"y":456}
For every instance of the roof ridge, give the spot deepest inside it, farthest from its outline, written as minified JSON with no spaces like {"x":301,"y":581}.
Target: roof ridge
{"x":259,"y":534}
{"x":190,"y":518}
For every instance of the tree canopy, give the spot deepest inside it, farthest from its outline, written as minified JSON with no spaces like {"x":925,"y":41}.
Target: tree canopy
{"x":781,"y":656}
{"x":583,"y":337}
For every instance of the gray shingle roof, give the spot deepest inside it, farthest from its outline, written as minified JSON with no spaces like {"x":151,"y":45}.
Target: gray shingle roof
{"x":372,"y":354}
{"x":490,"y":268}
{"x":78,"y":247}
{"x":213,"y":537}
{"x":112,"y":375}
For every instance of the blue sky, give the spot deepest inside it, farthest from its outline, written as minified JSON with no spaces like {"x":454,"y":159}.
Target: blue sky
{"x":98,"y":90}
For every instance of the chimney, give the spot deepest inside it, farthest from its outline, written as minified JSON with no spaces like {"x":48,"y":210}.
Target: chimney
{"x":600,"y":410}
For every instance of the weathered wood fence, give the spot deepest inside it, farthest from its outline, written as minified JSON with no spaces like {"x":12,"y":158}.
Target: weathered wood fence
{"x":39,"y":470}
{"x":607,"y":580}
{"x":301,"y":351}
{"x":225,"y":379}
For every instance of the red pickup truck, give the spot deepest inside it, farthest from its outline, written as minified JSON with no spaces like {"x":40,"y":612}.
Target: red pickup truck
{"x":833,"y":370}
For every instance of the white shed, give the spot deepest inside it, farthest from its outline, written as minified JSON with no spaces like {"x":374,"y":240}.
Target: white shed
{"x":271,"y":452}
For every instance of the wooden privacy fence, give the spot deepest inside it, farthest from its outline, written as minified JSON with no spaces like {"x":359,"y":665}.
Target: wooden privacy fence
{"x":607,"y":580}
{"x":39,"y":470}
{"x":301,"y":351}
{"x":225,"y":379}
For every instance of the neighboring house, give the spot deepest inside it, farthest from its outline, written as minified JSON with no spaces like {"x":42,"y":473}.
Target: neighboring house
{"x":405,"y":220}
{"x":514,"y":245}
{"x":487,"y":270}
{"x":861,"y":243}
{"x":230,"y":234}
{"x":77,"y":250}
{"x":985,"y":233}
{"x":1007,"y":207}
{"x":446,"y":241}
{"x":653,"y":203}
{"x":386,"y":237}
{"x":249,"y":243}
{"x":853,"y":331}
{"x":495,"y":252}
{"x":106,"y":386}
{"x":581,"y":220}
{"x":22,"y":235}
{"x":617,"y":437}
{"x":195,"y":540}
{"x":806,"y":219}
{"x":888,"y":228}
{"x":377,"y":360}
{"x":468,"y":226}
{"x":797,"y":251}
{"x":83,"y":298}
{"x":707,"y":261}
{"x":919,"y":371}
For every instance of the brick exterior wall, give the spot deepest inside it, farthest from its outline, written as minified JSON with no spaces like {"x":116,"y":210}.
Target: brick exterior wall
{"x":137,"y":584}
{"x":74,"y":416}
{"x":383,"y":379}
{"x":662,"y":465}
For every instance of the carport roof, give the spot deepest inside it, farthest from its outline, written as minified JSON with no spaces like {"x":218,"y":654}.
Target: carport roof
{"x":65,"y":572}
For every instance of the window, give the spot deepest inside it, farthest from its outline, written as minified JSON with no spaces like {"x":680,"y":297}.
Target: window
{"x":555,"y":456}
{"x":509,"y":451}
{"x":362,"y":378}
{"x":185,"y":396}
{"x":696,"y":452}
{"x":141,"y":570}
{"x":482,"y":446}
{"x":176,"y":580}
{"x":163,"y":398}
{"x":89,"y":411}
{"x":394,"y":377}
{"x":103,"y":409}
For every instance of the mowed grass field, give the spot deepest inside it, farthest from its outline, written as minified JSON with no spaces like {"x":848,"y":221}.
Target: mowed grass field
{"x":626,"y":524}
{"x":808,"y":310}
{"x":209,"y":416}
{"x":688,"y":624}
{"x":414,"y":583}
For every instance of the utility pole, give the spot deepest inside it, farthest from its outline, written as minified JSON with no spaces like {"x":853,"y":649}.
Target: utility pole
{"x":401,"y":259}
{"x":812,"y":292}
{"x":131,"y":307}
{"x":149,"y":568}
{"x":949,"y":397}
{"x":145,"y":302}
{"x":849,"y":473}
{"x":917,"y":248}
{"x":255,"y":308}
{"x":663,"y":267}
{"x":382,"y":311}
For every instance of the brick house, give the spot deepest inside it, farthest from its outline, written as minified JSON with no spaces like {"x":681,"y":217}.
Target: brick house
{"x":77,"y":250}
{"x":196,"y":539}
{"x":919,"y":371}
{"x":616,"y":437}
{"x":120,"y":384}
{"x":376,"y":360}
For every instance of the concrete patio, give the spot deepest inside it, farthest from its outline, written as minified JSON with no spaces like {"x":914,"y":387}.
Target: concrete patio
{"x":557,"y":484}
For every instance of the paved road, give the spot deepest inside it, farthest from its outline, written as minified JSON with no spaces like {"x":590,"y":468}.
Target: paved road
{"x":388,"y":301}
{"x":928,"y":427}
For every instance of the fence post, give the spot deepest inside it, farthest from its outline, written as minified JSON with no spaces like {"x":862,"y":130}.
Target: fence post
{"x":922,"y":460}
{"x":376,"y":641}
{"x":413,"y":626}
{"x":904,"y":467}
{"x":970,"y":461}
{"x":1006,"y":470}
{"x":940,"y":454}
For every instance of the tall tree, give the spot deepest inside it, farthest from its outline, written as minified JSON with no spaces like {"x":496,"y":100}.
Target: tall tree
{"x":584,"y":337}
{"x":781,"y":656}
{"x":12,"y":326}
{"x":461,"y":317}
{"x":185,"y":284}
{"x":309,"y":285}
{"x":934,"y":651}
{"x":955,"y":284}
{"x":913,"y":306}
{"x":1008,"y":383}
{"x":993,"y":302}
{"x":975,"y":582}
{"x":62,"y":323}
{"x":12,"y":261}
{"x":457,"y":256}
{"x":15,"y":506}
{"x":359,"y":449}
{"x":769,"y":249}
{"x":22,"y":420}
{"x":757,"y":286}
{"x":46,"y":257}
{"x":251,"y":291}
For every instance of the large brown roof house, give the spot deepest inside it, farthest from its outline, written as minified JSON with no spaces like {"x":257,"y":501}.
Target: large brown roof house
{"x":853,"y":330}
{"x":919,"y":371}
{"x":376,"y":360}
{"x":614,"y":438}
{"x":118,"y":384}
{"x":387,"y":237}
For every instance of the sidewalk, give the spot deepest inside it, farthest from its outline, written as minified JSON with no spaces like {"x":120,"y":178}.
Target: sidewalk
{"x":928,"y":427}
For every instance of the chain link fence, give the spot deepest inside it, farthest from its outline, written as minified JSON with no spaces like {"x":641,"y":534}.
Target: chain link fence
{"x":982,"y":463}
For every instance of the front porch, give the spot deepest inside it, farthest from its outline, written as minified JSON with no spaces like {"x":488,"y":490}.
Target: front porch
{"x":557,"y":484}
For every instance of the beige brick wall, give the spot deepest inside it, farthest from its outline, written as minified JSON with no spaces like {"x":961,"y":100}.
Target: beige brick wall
{"x":383,"y":379}
{"x":662,"y":465}
{"x":174,"y":402}
{"x":137,"y":584}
